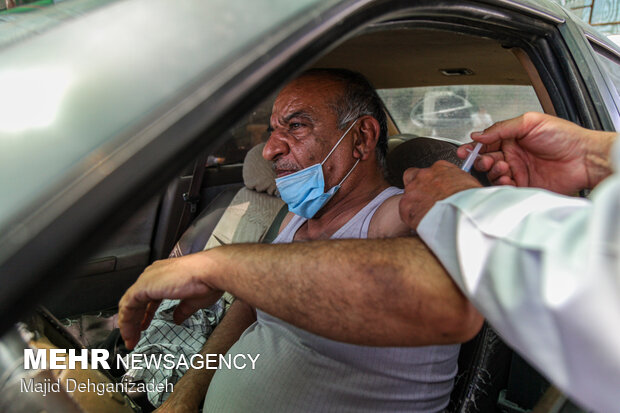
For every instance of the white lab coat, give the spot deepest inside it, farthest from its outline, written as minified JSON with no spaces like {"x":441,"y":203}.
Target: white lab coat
{"x":544,"y":270}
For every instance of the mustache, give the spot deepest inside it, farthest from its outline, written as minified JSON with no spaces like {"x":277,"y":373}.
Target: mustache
{"x":284,"y":165}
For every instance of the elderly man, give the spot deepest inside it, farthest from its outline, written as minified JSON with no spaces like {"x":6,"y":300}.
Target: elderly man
{"x":328,"y":139}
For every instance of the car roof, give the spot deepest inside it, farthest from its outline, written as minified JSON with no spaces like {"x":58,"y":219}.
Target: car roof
{"x":398,"y":52}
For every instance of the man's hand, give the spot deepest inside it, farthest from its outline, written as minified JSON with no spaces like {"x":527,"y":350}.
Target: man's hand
{"x":537,"y":150}
{"x":424,"y":187}
{"x":183,"y":278}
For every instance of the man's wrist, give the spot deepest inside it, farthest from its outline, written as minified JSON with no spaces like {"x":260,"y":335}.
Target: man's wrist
{"x":213,"y":262}
{"x":598,"y":158}
{"x":190,"y":390}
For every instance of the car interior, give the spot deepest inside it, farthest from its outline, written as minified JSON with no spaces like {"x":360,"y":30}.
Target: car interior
{"x":438,"y":82}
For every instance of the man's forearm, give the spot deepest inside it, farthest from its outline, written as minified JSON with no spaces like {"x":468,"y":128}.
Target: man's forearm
{"x":394,"y":285}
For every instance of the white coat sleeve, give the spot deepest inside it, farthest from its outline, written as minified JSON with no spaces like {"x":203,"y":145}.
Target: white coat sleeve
{"x":544,"y":270}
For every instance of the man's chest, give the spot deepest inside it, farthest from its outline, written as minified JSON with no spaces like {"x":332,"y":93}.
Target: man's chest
{"x":308,"y":233}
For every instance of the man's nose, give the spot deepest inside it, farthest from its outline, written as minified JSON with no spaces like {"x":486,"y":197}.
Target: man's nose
{"x":276,"y":146}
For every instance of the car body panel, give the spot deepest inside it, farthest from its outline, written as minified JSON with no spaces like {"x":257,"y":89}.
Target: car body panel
{"x":596,"y":81}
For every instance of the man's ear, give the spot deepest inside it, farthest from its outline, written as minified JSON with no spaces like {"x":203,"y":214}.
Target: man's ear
{"x":366,"y":137}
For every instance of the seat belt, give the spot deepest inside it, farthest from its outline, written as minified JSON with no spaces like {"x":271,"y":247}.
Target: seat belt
{"x":191,"y":198}
{"x":267,"y":238}
{"x":274,"y":229}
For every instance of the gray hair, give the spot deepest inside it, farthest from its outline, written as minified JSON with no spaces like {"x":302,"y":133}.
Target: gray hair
{"x":358,"y":99}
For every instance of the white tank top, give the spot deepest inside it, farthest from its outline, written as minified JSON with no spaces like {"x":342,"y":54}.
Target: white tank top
{"x":356,"y":227}
{"x":298,"y":371}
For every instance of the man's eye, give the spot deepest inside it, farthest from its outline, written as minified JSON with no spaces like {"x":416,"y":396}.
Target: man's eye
{"x":295,"y":125}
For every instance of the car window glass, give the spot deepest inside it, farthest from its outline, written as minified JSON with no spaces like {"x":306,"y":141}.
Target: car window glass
{"x":73,"y":95}
{"x":612,"y":66}
{"x":20,"y":19}
{"x":453,"y":112}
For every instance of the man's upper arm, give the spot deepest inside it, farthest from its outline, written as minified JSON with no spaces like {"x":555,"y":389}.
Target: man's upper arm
{"x":386,"y":222}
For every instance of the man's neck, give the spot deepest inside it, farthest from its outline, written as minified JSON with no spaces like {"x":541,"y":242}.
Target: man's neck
{"x":347,"y":202}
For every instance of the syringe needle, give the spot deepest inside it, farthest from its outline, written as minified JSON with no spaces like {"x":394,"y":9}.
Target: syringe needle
{"x":471,"y":158}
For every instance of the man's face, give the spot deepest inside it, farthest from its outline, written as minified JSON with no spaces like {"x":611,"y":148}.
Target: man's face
{"x":304,"y":128}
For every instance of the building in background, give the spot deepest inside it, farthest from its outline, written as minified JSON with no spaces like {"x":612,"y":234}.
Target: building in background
{"x":604,"y":15}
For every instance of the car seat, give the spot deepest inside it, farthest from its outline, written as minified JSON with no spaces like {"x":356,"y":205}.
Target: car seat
{"x":258,"y":189}
{"x":484,"y":361}
{"x":395,"y":140}
{"x":421,"y":152}
{"x":236,"y":215}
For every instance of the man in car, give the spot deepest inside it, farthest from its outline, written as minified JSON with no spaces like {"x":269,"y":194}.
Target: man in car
{"x":328,"y":131}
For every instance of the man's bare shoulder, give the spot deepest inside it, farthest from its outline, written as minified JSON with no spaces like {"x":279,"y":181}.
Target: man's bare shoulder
{"x":386,"y":222}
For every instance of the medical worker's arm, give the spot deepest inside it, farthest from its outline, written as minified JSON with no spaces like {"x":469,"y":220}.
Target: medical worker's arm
{"x":544,"y":269}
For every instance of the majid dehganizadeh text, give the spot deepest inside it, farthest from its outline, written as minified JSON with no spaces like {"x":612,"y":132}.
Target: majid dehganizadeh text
{"x":95,"y":359}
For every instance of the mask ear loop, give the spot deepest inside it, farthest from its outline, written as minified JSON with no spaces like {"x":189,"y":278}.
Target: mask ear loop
{"x":338,"y":143}
{"x":349,"y":173}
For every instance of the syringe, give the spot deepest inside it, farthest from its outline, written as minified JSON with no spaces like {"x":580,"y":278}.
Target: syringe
{"x":471,"y":158}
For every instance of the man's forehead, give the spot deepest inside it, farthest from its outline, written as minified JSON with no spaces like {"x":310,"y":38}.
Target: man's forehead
{"x":289,"y":102}
{"x":307,"y":97}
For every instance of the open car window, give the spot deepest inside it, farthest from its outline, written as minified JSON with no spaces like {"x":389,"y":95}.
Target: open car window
{"x":246,"y":134}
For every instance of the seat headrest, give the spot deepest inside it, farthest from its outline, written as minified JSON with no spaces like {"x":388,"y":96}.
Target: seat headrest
{"x":258,"y":173}
{"x":422,"y":152}
{"x":395,"y":140}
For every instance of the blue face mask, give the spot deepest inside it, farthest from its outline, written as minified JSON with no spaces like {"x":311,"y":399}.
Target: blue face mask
{"x":304,"y":191}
